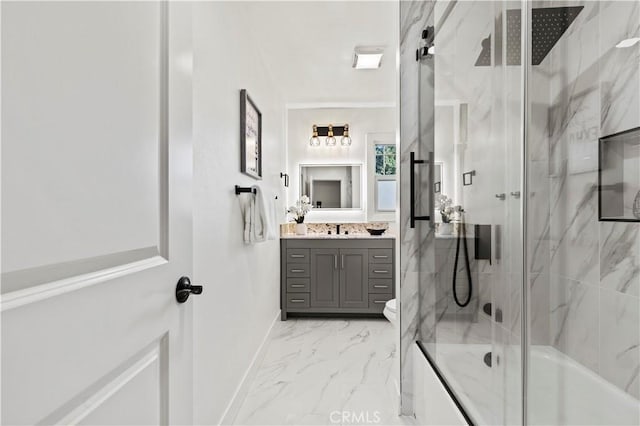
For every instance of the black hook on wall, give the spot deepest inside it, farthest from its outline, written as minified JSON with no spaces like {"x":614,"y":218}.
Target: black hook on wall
{"x":286,"y":179}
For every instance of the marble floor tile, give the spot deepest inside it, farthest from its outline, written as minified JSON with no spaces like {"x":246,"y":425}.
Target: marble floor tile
{"x":323,"y":372}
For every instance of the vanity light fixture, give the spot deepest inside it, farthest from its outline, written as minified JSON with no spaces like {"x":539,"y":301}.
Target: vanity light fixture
{"x":315,"y":140}
{"x":367,"y":58}
{"x":330,"y":131}
{"x":628,"y":42}
{"x":330,"y":140}
{"x":346,"y":139}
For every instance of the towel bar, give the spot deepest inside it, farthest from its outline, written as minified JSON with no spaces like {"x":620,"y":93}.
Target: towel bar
{"x":240,"y":189}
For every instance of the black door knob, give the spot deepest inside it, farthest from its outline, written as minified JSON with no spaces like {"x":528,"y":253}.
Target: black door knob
{"x":184,"y":289}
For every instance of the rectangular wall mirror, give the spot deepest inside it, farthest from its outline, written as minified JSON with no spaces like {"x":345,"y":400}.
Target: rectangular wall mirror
{"x":332,"y":186}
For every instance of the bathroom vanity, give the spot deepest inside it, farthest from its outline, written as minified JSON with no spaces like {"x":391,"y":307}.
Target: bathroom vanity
{"x":336,"y":274}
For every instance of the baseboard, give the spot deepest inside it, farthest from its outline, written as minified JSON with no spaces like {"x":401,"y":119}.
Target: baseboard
{"x":230,"y":413}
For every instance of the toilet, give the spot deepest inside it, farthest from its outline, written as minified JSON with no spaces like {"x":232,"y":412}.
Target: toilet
{"x":390,"y":311}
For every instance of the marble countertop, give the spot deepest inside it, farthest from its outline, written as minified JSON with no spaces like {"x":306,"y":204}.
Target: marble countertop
{"x":386,"y":235}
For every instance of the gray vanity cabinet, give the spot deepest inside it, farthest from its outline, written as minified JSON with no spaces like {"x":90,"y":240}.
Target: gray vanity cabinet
{"x":354,"y":291}
{"x":336,"y":276}
{"x":325,"y":278}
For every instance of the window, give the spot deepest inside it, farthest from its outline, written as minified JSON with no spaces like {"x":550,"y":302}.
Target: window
{"x":385,"y":173}
{"x":385,"y":160}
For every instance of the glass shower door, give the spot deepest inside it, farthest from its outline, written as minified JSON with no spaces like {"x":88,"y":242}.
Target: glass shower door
{"x":474,"y":339}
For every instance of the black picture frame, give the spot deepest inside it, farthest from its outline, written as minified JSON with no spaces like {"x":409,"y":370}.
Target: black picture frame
{"x":250,"y":137}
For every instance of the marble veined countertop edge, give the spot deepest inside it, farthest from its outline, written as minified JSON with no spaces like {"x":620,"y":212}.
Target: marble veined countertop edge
{"x":338,"y":237}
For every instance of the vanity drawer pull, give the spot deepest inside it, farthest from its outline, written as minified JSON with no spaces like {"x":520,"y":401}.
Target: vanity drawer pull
{"x":297,"y":300}
{"x":379,"y":301}
{"x":297,"y":271}
{"x":380,"y":286}
{"x":298,"y":285}
{"x":380,"y":257}
{"x":298,"y":256}
{"x":380,"y":271}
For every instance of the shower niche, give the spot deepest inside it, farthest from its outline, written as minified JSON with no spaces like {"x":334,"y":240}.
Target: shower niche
{"x":619,"y":177}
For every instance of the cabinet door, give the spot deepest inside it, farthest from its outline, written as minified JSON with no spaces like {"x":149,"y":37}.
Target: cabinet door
{"x":325,"y":278}
{"x":354,"y":274}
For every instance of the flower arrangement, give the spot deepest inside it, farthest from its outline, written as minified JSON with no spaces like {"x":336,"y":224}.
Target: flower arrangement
{"x":300,"y":209}
{"x":444,"y":205}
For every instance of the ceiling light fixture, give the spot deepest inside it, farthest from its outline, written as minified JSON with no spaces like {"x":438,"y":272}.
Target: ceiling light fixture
{"x":330,"y":131}
{"x":367,"y":58}
{"x":628,"y":42}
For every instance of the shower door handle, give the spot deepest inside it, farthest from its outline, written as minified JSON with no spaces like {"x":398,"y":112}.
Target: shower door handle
{"x":412,"y":189}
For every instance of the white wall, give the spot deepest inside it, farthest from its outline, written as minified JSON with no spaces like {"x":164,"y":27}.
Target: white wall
{"x":241,"y":295}
{"x":361,"y":122}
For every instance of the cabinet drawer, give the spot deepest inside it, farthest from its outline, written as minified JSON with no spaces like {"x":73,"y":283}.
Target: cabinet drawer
{"x":297,"y":270}
{"x":297,"y":255}
{"x":384,"y":285}
{"x":377,"y":301}
{"x":379,"y":270}
{"x":380,"y":256}
{"x":297,"y":300}
{"x":298,"y":285}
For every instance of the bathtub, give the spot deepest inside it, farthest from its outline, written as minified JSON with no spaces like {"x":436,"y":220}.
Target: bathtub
{"x":561,"y":391}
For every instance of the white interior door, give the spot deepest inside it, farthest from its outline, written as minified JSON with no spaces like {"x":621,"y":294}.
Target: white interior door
{"x":96,"y":212}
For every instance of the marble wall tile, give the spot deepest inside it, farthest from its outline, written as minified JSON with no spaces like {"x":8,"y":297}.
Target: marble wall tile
{"x":575,"y":320}
{"x":620,"y":340}
{"x":539,"y":318}
{"x":619,"y":69}
{"x":619,"y":257}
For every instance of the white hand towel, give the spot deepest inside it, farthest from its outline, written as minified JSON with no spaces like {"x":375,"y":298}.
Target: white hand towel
{"x":263,"y":212}
{"x":247,"y":208}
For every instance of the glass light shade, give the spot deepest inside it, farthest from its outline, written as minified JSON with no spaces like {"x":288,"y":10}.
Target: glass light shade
{"x":345,"y":141}
{"x":315,"y":140}
{"x":330,"y":141}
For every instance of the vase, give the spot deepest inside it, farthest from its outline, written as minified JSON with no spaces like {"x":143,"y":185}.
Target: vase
{"x":445,"y":229}
{"x":301,"y":229}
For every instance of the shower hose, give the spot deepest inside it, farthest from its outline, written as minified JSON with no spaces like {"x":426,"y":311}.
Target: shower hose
{"x":462,"y":232}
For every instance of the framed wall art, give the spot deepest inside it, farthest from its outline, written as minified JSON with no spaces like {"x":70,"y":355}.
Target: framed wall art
{"x":250,"y":137}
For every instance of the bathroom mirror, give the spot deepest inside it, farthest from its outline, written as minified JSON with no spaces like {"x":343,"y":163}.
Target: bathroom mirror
{"x":332,"y":186}
{"x":450,"y":143}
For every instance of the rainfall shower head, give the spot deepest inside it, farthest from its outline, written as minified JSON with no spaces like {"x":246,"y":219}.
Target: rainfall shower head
{"x":548,"y":24}
{"x":484,"y":60}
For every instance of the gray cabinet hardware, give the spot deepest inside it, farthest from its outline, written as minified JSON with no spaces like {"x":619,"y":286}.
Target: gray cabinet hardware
{"x":380,"y":257}
{"x":297,"y":300}
{"x":501,"y":197}
{"x":379,"y":301}
{"x":380,"y":286}
{"x":297,"y":256}
{"x":380,"y":271}
{"x":297,"y":285}
{"x":515,"y":194}
{"x":297,"y":270}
